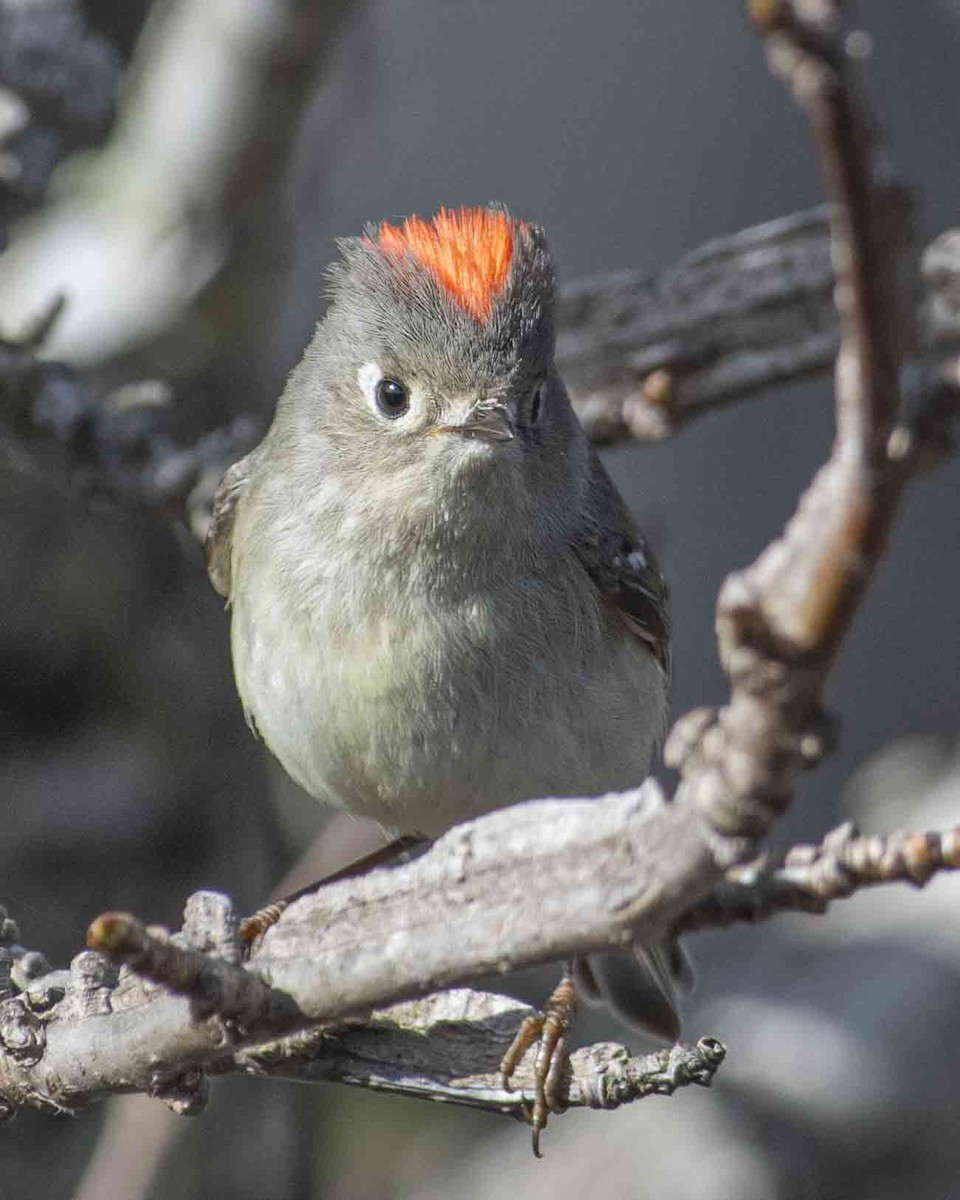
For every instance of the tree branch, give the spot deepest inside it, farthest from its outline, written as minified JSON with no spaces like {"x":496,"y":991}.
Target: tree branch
{"x":449,"y":1046}
{"x":72,"y":1037}
{"x":780,"y":621}
{"x":808,"y":878}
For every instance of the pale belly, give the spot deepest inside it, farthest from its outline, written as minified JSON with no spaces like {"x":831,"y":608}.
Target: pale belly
{"x":427,"y":715}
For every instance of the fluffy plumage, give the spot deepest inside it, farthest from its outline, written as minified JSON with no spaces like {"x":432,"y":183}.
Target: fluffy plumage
{"x":468,"y":252}
{"x":448,"y":609}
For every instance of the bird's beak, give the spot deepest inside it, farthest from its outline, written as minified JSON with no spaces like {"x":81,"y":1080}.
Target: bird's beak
{"x":485,"y":421}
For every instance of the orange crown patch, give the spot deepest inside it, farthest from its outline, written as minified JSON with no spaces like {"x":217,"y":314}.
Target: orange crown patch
{"x":466,"y":250}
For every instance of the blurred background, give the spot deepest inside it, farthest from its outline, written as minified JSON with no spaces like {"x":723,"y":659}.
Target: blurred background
{"x":190,"y":244}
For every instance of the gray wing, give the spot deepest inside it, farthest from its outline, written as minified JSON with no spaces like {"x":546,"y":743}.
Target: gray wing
{"x":622,"y":565}
{"x":639,"y":988}
{"x":219,"y":540}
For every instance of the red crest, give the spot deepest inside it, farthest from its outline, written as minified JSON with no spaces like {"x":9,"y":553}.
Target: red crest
{"x":467,"y":251}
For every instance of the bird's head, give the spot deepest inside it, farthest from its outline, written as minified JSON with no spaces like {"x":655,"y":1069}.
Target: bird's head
{"x":434,"y":363}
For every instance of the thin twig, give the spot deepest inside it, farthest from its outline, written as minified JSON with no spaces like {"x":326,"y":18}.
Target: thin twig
{"x":809,"y":878}
{"x":445,"y":1047}
{"x":214,"y":985}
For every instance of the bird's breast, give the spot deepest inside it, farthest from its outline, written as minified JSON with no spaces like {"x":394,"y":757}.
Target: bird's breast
{"x":420,"y":707}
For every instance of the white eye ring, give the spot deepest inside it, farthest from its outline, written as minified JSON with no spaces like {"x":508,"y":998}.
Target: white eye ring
{"x":389,"y":397}
{"x":368,"y":377}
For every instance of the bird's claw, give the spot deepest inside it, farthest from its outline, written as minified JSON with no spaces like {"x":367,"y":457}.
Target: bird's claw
{"x":549,"y":1029}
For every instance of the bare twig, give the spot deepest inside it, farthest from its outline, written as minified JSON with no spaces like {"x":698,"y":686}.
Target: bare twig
{"x":780,"y":621}
{"x":809,"y":878}
{"x":214,"y":985}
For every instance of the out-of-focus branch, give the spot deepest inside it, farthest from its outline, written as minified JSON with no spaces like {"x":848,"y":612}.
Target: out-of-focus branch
{"x":643,"y":356}
{"x":58,"y":84}
{"x":225,"y":191}
{"x":120,"y":447}
{"x":733,"y":319}
{"x":177,"y":217}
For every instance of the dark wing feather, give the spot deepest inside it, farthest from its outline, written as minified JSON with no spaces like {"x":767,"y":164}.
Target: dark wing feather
{"x":622,"y":565}
{"x":219,"y":540}
{"x":641,"y":988}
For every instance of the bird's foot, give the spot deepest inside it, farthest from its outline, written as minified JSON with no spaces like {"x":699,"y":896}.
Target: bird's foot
{"x":252,"y":928}
{"x":256,"y":925}
{"x":548,"y":1029}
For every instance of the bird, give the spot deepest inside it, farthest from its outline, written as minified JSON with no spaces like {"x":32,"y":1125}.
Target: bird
{"x":439,"y":602}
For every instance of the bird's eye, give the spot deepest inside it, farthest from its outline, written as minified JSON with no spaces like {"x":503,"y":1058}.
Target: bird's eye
{"x":536,"y":403}
{"x":393,"y":400}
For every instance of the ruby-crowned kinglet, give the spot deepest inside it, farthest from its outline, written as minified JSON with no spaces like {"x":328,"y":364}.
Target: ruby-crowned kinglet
{"x":440,"y":604}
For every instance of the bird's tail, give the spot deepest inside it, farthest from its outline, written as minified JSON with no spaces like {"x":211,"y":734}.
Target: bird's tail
{"x":641,"y":987}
